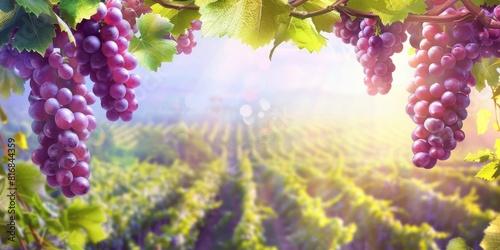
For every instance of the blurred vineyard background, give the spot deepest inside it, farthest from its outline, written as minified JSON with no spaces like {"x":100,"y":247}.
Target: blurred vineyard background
{"x":278,"y":180}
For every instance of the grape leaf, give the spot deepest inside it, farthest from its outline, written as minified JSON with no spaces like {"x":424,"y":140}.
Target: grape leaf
{"x":34,"y":34}
{"x":9,"y":81}
{"x":203,"y":3}
{"x":301,"y":32}
{"x":36,"y":6}
{"x":254,"y":22}
{"x":181,"y":19}
{"x":6,"y":6}
{"x":483,"y":120}
{"x":390,"y":11}
{"x":150,"y":48}
{"x":304,"y":35}
{"x":497,"y":148}
{"x":76,"y":240}
{"x":21,"y":141}
{"x":28,"y":180}
{"x":491,"y":238}
{"x":89,"y":217}
{"x":64,"y":27}
{"x":489,"y":172}
{"x":322,"y":22}
{"x":481,"y":156}
{"x":486,"y":72}
{"x":457,"y":244}
{"x":73,"y":11}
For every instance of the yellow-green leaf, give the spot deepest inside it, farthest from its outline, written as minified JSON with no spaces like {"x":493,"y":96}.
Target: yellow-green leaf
{"x":489,"y":172}
{"x":9,"y":82}
{"x":64,"y":27}
{"x":73,"y":11}
{"x":457,"y":244}
{"x":483,"y":120}
{"x":3,"y":116}
{"x":486,"y":72}
{"x":21,"y":141}
{"x":491,"y":238}
{"x":254,"y":22}
{"x":481,"y":156}
{"x":88,"y":217}
{"x":304,"y":35}
{"x":151,"y":49}
{"x":390,"y":11}
{"x":497,"y":148}
{"x":76,"y":240}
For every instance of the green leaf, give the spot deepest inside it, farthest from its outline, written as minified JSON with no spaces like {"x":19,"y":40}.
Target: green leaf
{"x":304,"y":35}
{"x":5,"y":7}
{"x":76,"y":240}
{"x":181,"y":19}
{"x":483,"y":120}
{"x":4,"y":199}
{"x":457,"y":244}
{"x":88,"y":217}
{"x":486,"y":72}
{"x":36,"y":6}
{"x":322,"y":22}
{"x":481,"y":156}
{"x":491,"y":238}
{"x":9,"y":81}
{"x":390,"y":11}
{"x":281,"y":35}
{"x":489,"y":172}
{"x":254,"y":22}
{"x":497,"y":148}
{"x":73,"y":11}
{"x":21,"y":141}
{"x":64,"y":27}
{"x":3,"y":116}
{"x":203,"y":3}
{"x":28,"y":180}
{"x":35,"y":33}
{"x":150,"y":48}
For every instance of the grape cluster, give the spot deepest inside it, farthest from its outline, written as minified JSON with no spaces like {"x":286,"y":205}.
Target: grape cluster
{"x":373,"y":51}
{"x":62,"y":118}
{"x":100,"y":51}
{"x":186,"y":42}
{"x":440,"y":89}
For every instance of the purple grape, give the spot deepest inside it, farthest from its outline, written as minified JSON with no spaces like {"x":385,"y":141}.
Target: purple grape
{"x":80,"y":186}
{"x":64,"y":118}
{"x":68,"y":140}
